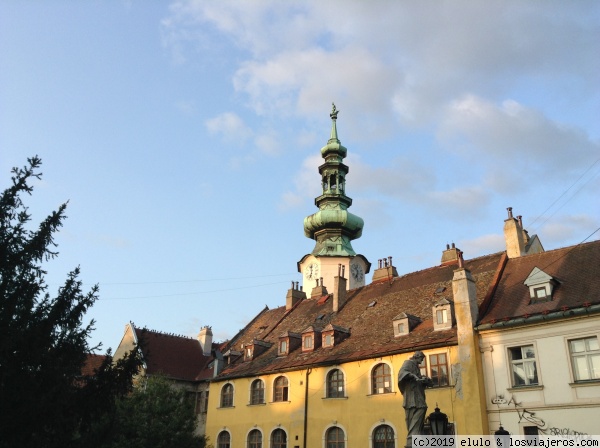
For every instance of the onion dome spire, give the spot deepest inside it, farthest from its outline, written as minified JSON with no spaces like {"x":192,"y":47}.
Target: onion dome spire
{"x":333,"y":227}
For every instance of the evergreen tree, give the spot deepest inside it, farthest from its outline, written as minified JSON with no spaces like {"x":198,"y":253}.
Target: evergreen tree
{"x":157,"y":414}
{"x":44,"y":400}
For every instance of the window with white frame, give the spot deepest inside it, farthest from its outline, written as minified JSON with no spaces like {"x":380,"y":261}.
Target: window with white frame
{"x":383,"y":437}
{"x":257,"y":392}
{"x":523,"y":366}
{"x":280,"y":389}
{"x":335,"y":437}
{"x":278,"y":438}
{"x":224,"y":440}
{"x":335,"y":384}
{"x":381,"y":379}
{"x":255,"y":439}
{"x":227,"y":396}
{"x":585,"y":358}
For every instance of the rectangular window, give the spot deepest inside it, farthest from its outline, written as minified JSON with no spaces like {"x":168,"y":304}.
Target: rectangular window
{"x":328,"y":340}
{"x":283,"y":347}
{"x":523,"y":366}
{"x":401,"y":328}
{"x":438,"y":366}
{"x":308,"y":342}
{"x":442,"y":316}
{"x":585,"y":358}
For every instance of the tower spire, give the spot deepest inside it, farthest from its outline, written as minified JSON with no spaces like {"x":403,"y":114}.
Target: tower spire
{"x":333,"y":227}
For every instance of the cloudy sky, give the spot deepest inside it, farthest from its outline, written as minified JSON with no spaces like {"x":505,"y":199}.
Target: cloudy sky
{"x":186,"y":138}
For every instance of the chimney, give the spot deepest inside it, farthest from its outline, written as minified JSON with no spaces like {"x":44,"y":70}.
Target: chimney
{"x":514,"y":235}
{"x":339,"y":289}
{"x":319,"y":290}
{"x":464,"y":293}
{"x":294,"y":295}
{"x":450,"y":255}
{"x":385,"y":271}
{"x":205,"y":338}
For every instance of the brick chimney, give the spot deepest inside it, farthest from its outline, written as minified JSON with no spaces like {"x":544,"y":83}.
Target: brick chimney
{"x":294,"y":295}
{"x":339,"y":289}
{"x":205,"y":338}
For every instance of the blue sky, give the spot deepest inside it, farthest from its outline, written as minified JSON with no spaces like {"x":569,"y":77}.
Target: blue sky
{"x":186,"y":138}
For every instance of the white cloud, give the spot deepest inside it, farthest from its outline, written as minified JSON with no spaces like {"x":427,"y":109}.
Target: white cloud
{"x":565,"y":228}
{"x":514,"y":139}
{"x":229,"y":126}
{"x":412,"y":59}
{"x":485,"y":244}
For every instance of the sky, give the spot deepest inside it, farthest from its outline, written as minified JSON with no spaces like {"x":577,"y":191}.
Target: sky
{"x":186,"y":138}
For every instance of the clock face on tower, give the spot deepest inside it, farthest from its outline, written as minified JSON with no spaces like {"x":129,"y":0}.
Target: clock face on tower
{"x":312,"y":271}
{"x":357,"y":273}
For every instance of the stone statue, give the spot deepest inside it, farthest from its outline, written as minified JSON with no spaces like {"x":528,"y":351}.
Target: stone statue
{"x":412,"y":386}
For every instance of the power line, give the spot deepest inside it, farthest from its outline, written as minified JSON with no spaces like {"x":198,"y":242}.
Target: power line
{"x":564,"y":193}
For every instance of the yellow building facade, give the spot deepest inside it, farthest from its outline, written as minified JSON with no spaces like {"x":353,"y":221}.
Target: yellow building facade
{"x":322,"y":370}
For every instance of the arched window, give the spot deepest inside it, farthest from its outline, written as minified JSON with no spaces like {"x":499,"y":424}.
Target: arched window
{"x":335,"y":438}
{"x":280,"y":389}
{"x":257,"y":392}
{"x":383,"y":437}
{"x":335,"y":384}
{"x":255,"y":439}
{"x":227,"y":396}
{"x":278,"y":439}
{"x":224,"y":440}
{"x":381,"y":379}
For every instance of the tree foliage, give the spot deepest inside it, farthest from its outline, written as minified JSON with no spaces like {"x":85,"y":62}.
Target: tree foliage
{"x":44,"y":400}
{"x":156,"y":415}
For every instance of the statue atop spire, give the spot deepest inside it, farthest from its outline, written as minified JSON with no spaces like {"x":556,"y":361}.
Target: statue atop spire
{"x":334,"y":112}
{"x":333,"y":227}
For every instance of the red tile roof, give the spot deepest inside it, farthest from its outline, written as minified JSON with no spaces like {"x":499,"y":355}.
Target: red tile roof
{"x":176,"y":357}
{"x":575,"y":268}
{"x":92,"y":363}
{"x":371,"y":331}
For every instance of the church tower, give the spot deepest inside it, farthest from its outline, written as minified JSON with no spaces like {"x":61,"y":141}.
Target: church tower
{"x":333,"y":227}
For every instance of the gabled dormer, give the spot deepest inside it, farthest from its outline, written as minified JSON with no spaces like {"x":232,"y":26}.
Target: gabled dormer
{"x":230,"y":356}
{"x":311,"y":339}
{"x":404,"y":323}
{"x":288,"y":342}
{"x":255,"y":348}
{"x":333,"y":335}
{"x":541,"y":286}
{"x":443,"y":314}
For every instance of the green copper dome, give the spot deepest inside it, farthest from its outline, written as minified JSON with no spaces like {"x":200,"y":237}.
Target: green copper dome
{"x":333,"y":227}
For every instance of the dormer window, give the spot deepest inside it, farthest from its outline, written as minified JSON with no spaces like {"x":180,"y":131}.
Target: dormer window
{"x":307,"y":342}
{"x":255,"y":349}
{"x":541,"y":286}
{"x":311,"y":339}
{"x":442,"y":315}
{"x":332,"y":335}
{"x":288,"y":342}
{"x":403,"y":324}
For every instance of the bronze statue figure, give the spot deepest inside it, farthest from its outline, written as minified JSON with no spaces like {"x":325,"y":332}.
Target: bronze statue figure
{"x":412,"y":386}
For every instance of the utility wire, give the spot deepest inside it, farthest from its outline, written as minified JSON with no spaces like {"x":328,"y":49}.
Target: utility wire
{"x":565,"y":192}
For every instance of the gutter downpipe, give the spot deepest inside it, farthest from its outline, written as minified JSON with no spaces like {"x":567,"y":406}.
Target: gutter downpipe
{"x":308,"y":372}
